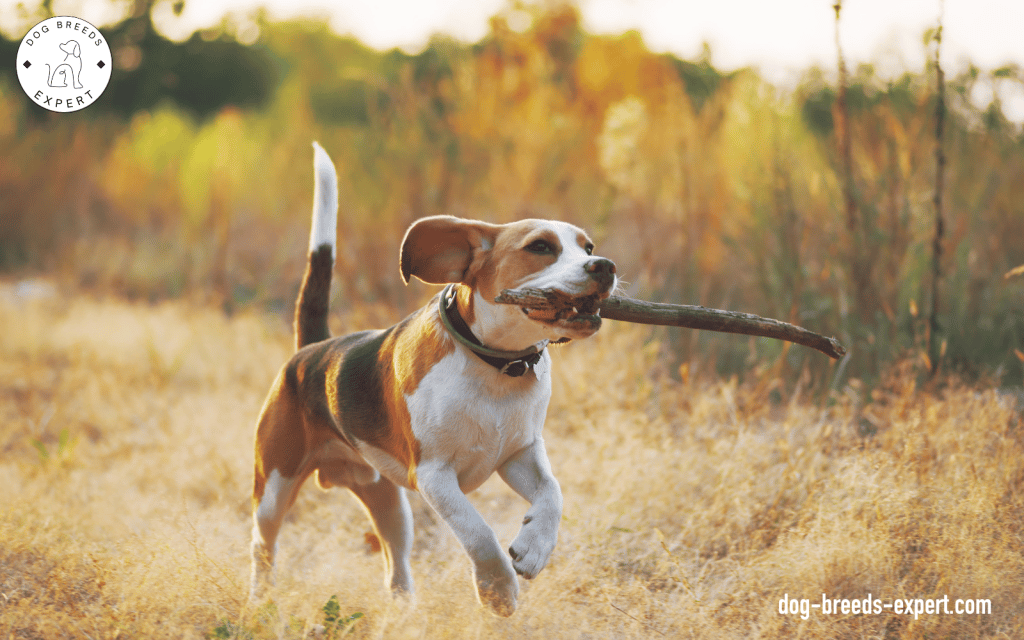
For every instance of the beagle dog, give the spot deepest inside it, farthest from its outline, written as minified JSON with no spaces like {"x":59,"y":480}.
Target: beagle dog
{"x":436,"y":403}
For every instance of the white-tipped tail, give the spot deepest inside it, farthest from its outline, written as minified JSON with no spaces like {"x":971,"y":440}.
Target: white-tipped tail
{"x":325,"y":202}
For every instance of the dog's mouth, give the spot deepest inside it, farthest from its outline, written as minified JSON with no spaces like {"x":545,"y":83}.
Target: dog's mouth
{"x":581,"y":313}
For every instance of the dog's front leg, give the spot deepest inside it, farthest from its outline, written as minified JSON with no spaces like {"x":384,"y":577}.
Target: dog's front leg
{"x":496,"y":583}
{"x":528,"y":472}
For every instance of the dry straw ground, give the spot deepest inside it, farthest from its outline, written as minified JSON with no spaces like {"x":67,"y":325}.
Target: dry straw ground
{"x":691,"y":508}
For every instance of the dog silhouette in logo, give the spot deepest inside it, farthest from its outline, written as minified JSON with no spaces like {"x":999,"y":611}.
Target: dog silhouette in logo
{"x":72,"y":65}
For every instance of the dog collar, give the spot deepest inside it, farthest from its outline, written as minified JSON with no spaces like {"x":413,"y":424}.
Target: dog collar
{"x":511,"y":363}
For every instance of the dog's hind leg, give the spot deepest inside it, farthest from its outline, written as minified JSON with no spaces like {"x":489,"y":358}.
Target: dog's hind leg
{"x":278,"y":494}
{"x":278,"y":475}
{"x":388,"y":508}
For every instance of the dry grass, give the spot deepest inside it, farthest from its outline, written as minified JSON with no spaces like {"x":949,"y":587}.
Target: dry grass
{"x":125,"y":433}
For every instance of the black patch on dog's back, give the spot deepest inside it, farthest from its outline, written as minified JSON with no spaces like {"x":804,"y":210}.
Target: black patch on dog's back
{"x":360,"y":388}
{"x":343,"y":384}
{"x":307,"y":375}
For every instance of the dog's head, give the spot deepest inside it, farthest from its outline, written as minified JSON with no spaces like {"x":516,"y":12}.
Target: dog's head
{"x":71,"y":48}
{"x":487,"y":258}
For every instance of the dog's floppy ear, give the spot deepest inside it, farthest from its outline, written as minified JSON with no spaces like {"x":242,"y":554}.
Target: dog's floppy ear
{"x":77,"y":50}
{"x":441,"y":249}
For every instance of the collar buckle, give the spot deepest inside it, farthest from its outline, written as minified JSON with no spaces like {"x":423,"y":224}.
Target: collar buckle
{"x":516,"y":368}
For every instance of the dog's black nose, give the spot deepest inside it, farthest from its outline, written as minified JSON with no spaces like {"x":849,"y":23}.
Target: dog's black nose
{"x":601,"y":269}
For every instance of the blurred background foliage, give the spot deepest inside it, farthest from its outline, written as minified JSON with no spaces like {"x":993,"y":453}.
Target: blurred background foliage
{"x":192,"y":177}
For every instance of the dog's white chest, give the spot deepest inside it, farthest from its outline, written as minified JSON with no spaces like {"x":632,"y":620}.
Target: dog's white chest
{"x":475,"y":422}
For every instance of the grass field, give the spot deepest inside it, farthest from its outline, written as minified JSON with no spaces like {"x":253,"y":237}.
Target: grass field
{"x":691,"y":508}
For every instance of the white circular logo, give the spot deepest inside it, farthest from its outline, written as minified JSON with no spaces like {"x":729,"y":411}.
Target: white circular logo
{"x":64,"y":64}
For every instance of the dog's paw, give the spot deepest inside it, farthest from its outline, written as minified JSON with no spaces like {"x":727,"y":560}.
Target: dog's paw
{"x":262,"y":578}
{"x":501,"y":596}
{"x":497,"y":588}
{"x":532,"y":548}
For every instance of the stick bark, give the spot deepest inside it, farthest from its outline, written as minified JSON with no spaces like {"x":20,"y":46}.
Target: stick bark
{"x":683,"y":315}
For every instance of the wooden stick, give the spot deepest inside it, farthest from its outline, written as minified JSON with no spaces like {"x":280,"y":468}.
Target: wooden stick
{"x":682,"y":315}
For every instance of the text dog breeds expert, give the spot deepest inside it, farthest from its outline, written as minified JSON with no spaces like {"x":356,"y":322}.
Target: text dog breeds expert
{"x":64,"y":64}
{"x":438,"y":402}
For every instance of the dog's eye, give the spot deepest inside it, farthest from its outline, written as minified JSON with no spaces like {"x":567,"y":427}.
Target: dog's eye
{"x":589,"y":248}
{"x":540,"y":246}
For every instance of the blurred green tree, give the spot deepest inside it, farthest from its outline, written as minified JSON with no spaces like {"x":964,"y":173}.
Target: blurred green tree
{"x":201,"y":75}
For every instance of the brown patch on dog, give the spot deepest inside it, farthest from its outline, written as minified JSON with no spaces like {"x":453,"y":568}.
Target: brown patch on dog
{"x":417,"y":347}
{"x":405,"y":358}
{"x":464,"y":302}
{"x":280,"y":442}
{"x":583,"y":239}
